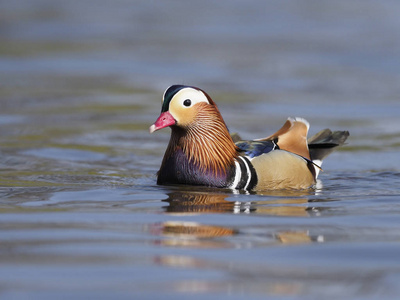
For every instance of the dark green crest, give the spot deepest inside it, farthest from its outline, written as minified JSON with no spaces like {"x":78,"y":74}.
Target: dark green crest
{"x":169,"y":94}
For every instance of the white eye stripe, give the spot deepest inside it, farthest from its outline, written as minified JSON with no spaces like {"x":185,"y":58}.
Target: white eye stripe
{"x":195,"y":96}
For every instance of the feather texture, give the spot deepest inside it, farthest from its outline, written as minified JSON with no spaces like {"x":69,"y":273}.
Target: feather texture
{"x":210,"y":135}
{"x":207,"y":142}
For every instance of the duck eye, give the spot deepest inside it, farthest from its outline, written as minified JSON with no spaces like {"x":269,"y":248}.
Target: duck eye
{"x":187,"y":102}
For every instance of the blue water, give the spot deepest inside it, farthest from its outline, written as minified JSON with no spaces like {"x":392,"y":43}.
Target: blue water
{"x":81,"y":215}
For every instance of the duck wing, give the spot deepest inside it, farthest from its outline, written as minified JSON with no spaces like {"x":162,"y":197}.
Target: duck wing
{"x":254,"y":148}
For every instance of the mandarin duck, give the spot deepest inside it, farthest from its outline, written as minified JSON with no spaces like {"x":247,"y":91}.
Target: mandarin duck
{"x":201,"y":150}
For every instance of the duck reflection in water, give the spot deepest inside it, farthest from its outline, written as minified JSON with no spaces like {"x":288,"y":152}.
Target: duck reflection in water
{"x":193,"y":234}
{"x":191,"y":202}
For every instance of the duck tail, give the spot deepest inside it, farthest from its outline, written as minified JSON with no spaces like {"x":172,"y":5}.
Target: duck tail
{"x":324,"y":143}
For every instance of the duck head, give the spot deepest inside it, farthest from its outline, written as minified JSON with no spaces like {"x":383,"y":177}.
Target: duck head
{"x":199,"y":135}
{"x":181,"y":107}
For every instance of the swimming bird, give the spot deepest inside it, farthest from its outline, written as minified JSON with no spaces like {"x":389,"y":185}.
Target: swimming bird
{"x":201,"y":150}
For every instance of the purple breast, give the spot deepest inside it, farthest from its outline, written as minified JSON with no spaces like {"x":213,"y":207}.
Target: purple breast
{"x":177,"y":169}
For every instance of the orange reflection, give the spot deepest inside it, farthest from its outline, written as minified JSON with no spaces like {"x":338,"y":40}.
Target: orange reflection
{"x":196,"y":235}
{"x":293,"y":237}
{"x":191,"y":234}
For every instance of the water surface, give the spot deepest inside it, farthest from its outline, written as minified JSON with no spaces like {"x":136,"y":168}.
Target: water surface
{"x":81,"y":214}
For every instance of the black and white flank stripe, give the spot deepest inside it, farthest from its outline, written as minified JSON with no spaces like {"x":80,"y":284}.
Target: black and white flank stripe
{"x":245,"y":175}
